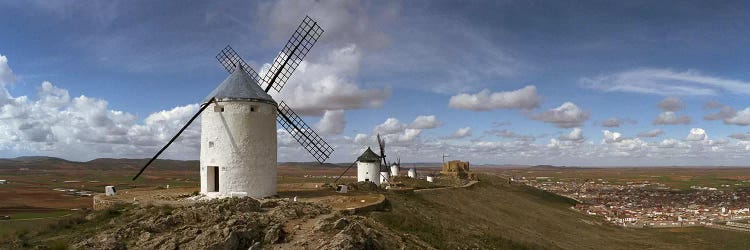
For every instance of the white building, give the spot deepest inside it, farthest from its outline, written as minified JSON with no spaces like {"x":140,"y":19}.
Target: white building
{"x":385,"y":176}
{"x":412,"y":172}
{"x":368,"y":167}
{"x":430,"y":178}
{"x":238,"y":140}
{"x":394,"y":169}
{"x":110,"y":190}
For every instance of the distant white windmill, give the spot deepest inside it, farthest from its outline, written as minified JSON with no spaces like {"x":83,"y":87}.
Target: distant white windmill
{"x":238,"y":134}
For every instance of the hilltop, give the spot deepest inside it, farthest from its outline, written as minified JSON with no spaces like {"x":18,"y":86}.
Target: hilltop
{"x":496,"y":215}
{"x":489,"y":215}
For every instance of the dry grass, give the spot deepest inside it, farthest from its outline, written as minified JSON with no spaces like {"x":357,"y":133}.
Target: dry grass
{"x":494,"y":214}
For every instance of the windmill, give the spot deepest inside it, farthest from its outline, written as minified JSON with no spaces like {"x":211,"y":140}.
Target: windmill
{"x":238,"y":139}
{"x":412,"y":173}
{"x":371,"y":167}
{"x":385,"y":175}
{"x":395,"y":168}
{"x":381,"y":143}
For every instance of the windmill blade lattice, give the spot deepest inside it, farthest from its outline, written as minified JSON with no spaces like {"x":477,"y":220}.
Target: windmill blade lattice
{"x":301,"y":132}
{"x":229,"y":59}
{"x":292,"y":54}
{"x":303,"y":39}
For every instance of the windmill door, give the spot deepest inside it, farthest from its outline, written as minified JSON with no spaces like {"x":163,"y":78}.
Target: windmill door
{"x":213,"y":179}
{"x":216,"y":179}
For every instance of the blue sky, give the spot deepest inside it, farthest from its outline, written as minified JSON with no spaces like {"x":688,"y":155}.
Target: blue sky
{"x":503,"y":82}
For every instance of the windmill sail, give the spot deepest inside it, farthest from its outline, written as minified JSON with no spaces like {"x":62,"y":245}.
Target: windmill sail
{"x":231,"y":60}
{"x":381,"y":143}
{"x":286,"y":62}
{"x":301,"y":132}
{"x":291,"y":55}
{"x":203,"y":107}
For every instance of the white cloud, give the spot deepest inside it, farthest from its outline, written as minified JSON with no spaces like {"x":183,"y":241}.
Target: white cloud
{"x":665,"y":82}
{"x":741,"y":117}
{"x":6,"y":74}
{"x":329,"y":84}
{"x":344,"y":22}
{"x":611,"y":123}
{"x":425,"y":122}
{"x":611,"y":137}
{"x":332,"y":123}
{"x":669,"y":143}
{"x":461,"y":133}
{"x":525,"y":98}
{"x":651,"y":133}
{"x":671,"y":104}
{"x":362,"y":139}
{"x":393,"y":132}
{"x":84,"y":127}
{"x":328,"y":78}
{"x":504,"y":133}
{"x":576,"y":135}
{"x":409,"y":134}
{"x":725,"y":112}
{"x":697,"y":134}
{"x":741,"y":136}
{"x":615,"y":122}
{"x":670,"y":118}
{"x":728,"y":114}
{"x":567,"y":115}
{"x":390,"y":126}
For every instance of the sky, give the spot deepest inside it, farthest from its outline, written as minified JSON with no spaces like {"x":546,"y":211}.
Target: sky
{"x":589,"y":83}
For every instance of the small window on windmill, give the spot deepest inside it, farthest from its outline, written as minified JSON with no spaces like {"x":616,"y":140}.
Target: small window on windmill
{"x":219,"y":108}
{"x":210,"y":144}
{"x":253,"y":108}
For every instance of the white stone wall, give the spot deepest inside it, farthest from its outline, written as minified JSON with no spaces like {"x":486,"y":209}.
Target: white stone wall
{"x":241,"y":141}
{"x":394,"y":170}
{"x":368,"y":171}
{"x":384,"y":176}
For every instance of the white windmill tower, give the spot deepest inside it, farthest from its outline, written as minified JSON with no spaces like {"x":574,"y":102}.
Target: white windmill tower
{"x":412,"y":173}
{"x":396,"y":167}
{"x":368,"y":167}
{"x":238,"y":135}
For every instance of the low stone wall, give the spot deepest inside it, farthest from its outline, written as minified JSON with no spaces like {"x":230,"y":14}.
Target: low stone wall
{"x":101,"y":202}
{"x":375,"y":206}
{"x":471,"y":183}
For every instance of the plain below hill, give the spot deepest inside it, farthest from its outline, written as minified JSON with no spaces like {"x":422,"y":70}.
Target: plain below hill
{"x":496,"y":215}
{"x":54,"y":163}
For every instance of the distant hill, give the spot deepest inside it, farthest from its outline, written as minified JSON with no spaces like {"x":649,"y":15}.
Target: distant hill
{"x":37,"y":162}
{"x":313,"y":165}
{"x":44,"y":162}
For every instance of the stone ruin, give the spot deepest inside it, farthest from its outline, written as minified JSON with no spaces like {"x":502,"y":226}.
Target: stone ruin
{"x":458,"y":169}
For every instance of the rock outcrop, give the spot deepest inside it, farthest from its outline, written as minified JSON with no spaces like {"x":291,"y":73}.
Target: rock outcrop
{"x":244,"y":223}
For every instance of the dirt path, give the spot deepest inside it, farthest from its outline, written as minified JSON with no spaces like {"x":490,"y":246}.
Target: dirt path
{"x":471,"y":183}
{"x":42,"y":218}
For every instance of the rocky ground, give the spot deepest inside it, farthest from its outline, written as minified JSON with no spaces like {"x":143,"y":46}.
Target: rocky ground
{"x":243,"y":223}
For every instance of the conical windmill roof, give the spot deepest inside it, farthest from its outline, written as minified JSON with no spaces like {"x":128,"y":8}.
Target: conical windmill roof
{"x":240,"y":87}
{"x":368,"y":156}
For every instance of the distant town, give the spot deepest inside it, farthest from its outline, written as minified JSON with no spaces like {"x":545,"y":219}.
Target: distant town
{"x":652,"y":204}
